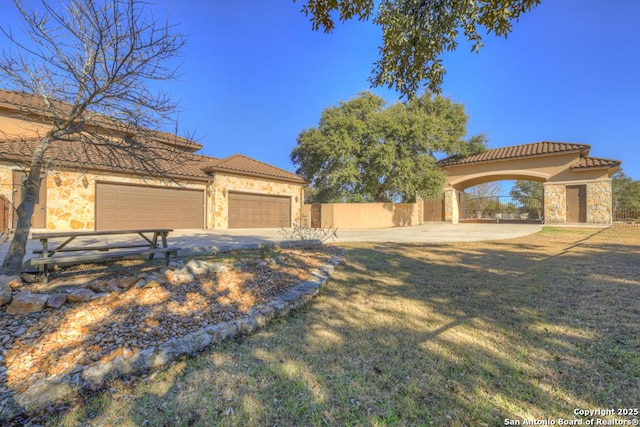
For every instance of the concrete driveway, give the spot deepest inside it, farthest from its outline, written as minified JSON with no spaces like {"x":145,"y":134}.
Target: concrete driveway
{"x":196,"y":242}
{"x":208,"y":240}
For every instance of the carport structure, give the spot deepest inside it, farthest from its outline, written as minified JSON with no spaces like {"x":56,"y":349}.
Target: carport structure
{"x":577,"y":188}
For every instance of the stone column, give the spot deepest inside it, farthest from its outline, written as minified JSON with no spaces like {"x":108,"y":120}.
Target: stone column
{"x":599,"y":202}
{"x":451,"y":213}
{"x":555,"y":203}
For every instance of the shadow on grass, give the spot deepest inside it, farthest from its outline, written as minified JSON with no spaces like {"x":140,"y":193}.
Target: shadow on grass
{"x":466,"y":334}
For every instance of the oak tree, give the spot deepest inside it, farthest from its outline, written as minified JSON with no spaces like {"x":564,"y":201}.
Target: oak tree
{"x":363,"y":150}
{"x":416,"y":33}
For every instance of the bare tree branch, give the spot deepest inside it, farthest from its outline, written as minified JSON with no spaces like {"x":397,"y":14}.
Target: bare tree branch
{"x":92,"y":66}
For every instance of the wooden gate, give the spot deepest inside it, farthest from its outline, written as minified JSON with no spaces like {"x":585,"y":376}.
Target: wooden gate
{"x":5,"y":213}
{"x":316,"y":215}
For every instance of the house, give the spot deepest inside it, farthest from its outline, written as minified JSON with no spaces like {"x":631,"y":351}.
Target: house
{"x":166,"y":184}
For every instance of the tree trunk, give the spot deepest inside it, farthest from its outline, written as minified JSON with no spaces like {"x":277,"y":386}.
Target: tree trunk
{"x":13,"y":261}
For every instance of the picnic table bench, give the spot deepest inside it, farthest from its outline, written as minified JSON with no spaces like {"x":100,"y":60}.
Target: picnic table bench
{"x":154,"y":241}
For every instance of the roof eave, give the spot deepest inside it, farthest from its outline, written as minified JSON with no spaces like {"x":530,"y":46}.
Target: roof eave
{"x":213,"y":170}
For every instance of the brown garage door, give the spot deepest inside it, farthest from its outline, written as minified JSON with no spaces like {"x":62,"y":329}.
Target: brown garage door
{"x":258,"y":211}
{"x":124,"y":207}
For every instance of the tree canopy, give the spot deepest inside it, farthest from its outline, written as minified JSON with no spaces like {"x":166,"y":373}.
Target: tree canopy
{"x":363,"y":150}
{"x":626,"y":192}
{"x":522,"y":190}
{"x":416,"y":33}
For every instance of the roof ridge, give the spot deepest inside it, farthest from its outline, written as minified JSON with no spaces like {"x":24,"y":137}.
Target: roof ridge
{"x":540,"y":148}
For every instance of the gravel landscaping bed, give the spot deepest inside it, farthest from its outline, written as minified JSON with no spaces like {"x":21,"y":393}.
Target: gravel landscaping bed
{"x":137,"y":310}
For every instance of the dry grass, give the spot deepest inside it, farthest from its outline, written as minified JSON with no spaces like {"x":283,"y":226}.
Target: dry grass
{"x":463,"y":335}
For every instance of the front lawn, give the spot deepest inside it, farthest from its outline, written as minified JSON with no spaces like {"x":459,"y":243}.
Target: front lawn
{"x":465,"y":334}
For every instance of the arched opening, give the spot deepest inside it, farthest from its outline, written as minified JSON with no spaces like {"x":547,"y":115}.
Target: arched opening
{"x":576,"y":187}
{"x":512,"y":201}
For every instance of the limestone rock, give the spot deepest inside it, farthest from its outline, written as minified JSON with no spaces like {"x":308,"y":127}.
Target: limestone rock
{"x":5,"y":294}
{"x":197,"y":267}
{"x":26,"y":302}
{"x":124,"y":282}
{"x":217,"y":267}
{"x":56,"y":300}
{"x":81,"y":295}
{"x":104,"y":286}
{"x":41,"y":392}
{"x":12,"y":281}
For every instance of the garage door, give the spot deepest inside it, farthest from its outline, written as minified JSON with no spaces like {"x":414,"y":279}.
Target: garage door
{"x":258,"y":211}
{"x":124,"y":207}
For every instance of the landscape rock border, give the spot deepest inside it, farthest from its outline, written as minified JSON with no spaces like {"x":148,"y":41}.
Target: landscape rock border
{"x":57,"y":387}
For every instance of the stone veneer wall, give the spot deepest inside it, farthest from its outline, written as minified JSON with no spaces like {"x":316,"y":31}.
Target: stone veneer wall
{"x":599,"y":198}
{"x":71,"y":197}
{"x":219,"y":201}
{"x":6,"y":182}
{"x":555,"y":203}
{"x":451,"y":208}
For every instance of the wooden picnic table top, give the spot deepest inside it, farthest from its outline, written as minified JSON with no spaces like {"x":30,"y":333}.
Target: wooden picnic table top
{"x":54,"y":234}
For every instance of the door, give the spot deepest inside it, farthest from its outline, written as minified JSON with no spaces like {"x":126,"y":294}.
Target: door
{"x":433,"y":210}
{"x":129,"y":207}
{"x":316,"y":215}
{"x":576,"y":203}
{"x":38,"y":220}
{"x":259,"y":211}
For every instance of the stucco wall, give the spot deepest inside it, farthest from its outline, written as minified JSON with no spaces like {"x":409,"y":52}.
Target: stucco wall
{"x":369,"y":215}
{"x":222,"y":184}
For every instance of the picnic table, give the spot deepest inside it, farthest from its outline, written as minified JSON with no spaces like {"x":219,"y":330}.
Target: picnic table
{"x":152,"y":242}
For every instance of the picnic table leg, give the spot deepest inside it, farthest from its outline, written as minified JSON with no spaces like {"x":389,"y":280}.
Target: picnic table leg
{"x":165,"y":245}
{"x":44,"y":268}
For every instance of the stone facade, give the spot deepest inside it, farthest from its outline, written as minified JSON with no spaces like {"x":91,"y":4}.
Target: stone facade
{"x":599,"y":197}
{"x":71,"y":197}
{"x":451,"y":206}
{"x":6,"y":182}
{"x":222,"y":184}
{"x":555,"y":203}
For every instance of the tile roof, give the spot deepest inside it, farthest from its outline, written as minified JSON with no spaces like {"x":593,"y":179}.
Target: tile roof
{"x":248,"y":166}
{"x":131,"y":158}
{"x":149,"y":159}
{"x":595,"y":163}
{"x":516,"y":151}
{"x":31,"y":104}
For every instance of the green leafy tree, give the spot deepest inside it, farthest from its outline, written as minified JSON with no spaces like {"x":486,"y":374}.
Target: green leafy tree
{"x":523,"y":189}
{"x":626,"y":192}
{"x":416,"y":33}
{"x":529,"y":194}
{"x":363,"y":150}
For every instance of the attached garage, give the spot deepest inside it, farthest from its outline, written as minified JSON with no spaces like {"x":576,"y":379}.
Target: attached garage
{"x":259,"y":211}
{"x":124,"y":207}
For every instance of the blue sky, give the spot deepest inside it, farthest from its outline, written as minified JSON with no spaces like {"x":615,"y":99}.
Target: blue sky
{"x":254,"y":75}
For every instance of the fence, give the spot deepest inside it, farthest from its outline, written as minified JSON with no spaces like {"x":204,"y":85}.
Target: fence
{"x":626,"y":218}
{"x":501,"y":208}
{"x":362,"y":215}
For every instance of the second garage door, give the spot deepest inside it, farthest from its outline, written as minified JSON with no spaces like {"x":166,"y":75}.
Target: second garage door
{"x":125,"y":207}
{"x":259,"y":211}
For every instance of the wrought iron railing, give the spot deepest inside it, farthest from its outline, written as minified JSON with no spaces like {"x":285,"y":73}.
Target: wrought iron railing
{"x":626,"y":217}
{"x":502,"y":208}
